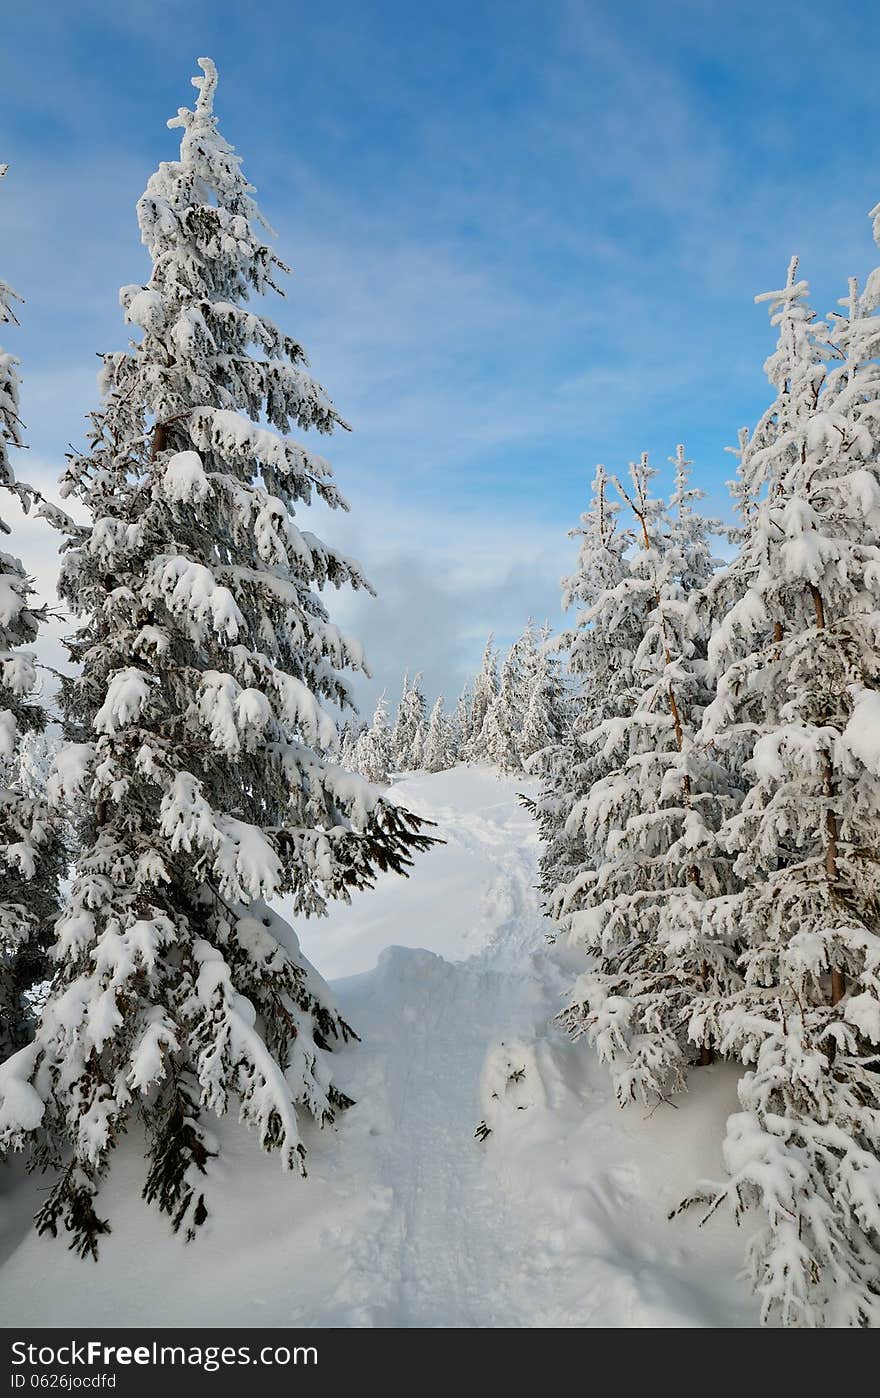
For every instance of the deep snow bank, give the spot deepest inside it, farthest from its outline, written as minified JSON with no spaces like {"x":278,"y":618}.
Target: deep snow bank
{"x":557,"y":1219}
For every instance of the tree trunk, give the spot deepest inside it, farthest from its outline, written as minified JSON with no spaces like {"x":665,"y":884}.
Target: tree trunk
{"x":160,"y":437}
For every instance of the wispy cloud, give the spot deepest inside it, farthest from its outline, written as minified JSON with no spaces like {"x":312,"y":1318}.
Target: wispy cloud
{"x":514,"y":256}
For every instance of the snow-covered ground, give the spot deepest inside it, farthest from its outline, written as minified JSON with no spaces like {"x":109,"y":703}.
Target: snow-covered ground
{"x":559,"y":1218}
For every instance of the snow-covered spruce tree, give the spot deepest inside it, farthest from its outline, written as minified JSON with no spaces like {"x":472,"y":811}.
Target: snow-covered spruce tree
{"x":398,"y":730}
{"x":502,"y":726}
{"x":417,"y":761}
{"x":598,"y":651}
{"x":796,"y":369}
{"x":484,"y":693}
{"x":349,"y":735}
{"x":197,"y":732}
{"x":463,"y":721}
{"x":30,"y":846}
{"x":452,"y":731}
{"x":439,"y":745}
{"x":652,"y":819}
{"x":547,"y":713}
{"x":799,"y":674}
{"x":36,"y":759}
{"x":410,"y":727}
{"x":526,"y":648}
{"x":372,"y":754}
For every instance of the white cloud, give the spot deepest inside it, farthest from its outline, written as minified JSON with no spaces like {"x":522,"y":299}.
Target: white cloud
{"x":444,"y":581}
{"x":497,"y":293}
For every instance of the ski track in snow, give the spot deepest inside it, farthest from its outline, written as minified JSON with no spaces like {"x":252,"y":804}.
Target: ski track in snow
{"x":447,"y":1237}
{"x":559,"y":1219}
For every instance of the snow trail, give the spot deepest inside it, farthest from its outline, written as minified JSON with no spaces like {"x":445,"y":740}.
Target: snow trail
{"x":464,"y":1238}
{"x":558,"y":1219}
{"x":448,"y":1238}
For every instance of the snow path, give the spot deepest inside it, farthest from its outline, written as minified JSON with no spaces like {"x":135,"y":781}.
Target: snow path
{"x":465,"y":1237}
{"x":558,"y":1219}
{"x":448,"y":1239}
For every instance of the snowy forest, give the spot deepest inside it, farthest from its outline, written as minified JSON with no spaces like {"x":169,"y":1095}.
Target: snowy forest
{"x":623,"y":889}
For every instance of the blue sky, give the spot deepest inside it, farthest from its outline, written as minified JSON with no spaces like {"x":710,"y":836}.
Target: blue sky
{"x":526,"y":238}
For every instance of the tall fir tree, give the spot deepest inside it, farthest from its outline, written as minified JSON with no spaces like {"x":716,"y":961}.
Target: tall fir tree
{"x":798,"y":671}
{"x":599,"y":650}
{"x":527,"y":662}
{"x":484,"y":693}
{"x":373,"y":752}
{"x":398,"y":740}
{"x":502,"y":726}
{"x":439,"y":743}
{"x":349,"y":736}
{"x":548,"y":715}
{"x":463,"y":722}
{"x":31,"y":853}
{"x":408,"y":739}
{"x":198,"y":737}
{"x":653,"y":818}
